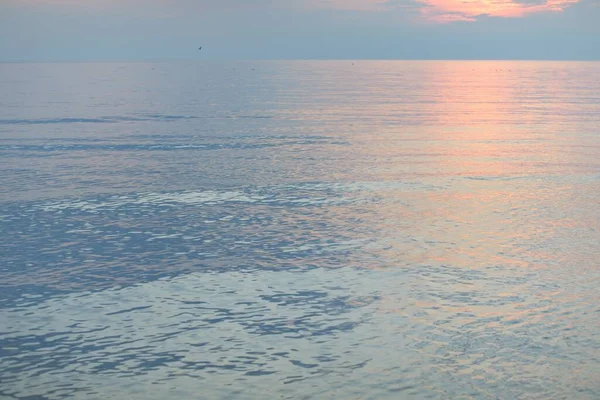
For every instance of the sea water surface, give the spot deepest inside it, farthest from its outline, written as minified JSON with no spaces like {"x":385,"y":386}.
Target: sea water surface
{"x":300,"y":230}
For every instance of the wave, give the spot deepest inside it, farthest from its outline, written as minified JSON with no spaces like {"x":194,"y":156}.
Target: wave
{"x":118,"y":119}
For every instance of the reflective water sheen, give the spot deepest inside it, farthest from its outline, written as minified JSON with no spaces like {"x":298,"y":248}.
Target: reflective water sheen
{"x":300,"y":230}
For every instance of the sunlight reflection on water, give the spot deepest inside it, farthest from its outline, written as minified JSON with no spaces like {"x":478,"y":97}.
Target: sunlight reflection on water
{"x":300,"y":230}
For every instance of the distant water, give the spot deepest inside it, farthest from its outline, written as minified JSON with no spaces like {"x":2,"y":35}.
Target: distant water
{"x":300,"y":230}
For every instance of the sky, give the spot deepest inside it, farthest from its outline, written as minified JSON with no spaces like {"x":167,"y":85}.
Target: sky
{"x":98,"y":30}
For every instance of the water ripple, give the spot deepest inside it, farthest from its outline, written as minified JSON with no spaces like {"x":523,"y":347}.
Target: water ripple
{"x":302,"y":231}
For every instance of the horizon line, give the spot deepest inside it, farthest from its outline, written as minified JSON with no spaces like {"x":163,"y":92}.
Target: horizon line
{"x":157,"y":60}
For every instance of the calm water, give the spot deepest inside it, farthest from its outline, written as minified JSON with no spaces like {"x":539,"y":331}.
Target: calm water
{"x":300,"y":230}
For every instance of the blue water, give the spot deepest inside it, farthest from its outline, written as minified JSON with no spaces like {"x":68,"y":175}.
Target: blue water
{"x":300,"y":230}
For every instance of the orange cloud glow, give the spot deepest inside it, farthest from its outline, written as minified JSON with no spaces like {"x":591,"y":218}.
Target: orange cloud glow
{"x":468,"y":10}
{"x":430,"y":10}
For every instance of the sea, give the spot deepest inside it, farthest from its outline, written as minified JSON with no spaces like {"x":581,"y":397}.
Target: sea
{"x":300,"y":230}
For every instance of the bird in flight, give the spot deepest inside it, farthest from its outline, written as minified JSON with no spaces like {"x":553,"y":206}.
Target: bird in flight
{"x":200,"y":48}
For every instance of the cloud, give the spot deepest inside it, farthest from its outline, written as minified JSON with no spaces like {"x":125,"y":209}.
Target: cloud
{"x":429,"y":10}
{"x":447,"y":10}
{"x":469,"y":10}
{"x":452,"y":10}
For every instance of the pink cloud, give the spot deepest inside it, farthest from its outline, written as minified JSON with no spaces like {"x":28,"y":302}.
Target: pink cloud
{"x":468,"y":10}
{"x":441,"y":11}
{"x":452,"y":10}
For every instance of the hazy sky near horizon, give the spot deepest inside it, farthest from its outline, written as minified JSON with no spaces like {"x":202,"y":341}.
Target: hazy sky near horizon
{"x":55,"y":30}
